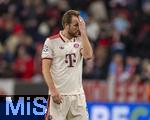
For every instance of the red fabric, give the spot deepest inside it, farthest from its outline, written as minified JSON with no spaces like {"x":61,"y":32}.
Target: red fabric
{"x":104,"y":42}
{"x":24,"y":69}
{"x":18,"y":28}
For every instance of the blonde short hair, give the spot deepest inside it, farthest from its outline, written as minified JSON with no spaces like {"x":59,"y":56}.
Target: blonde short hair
{"x":67,"y":17}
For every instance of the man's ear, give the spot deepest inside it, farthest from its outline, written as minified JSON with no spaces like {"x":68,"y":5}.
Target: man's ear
{"x":66,"y":26}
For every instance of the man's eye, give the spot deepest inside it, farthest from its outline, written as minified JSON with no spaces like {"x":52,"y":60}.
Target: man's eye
{"x":76,"y":25}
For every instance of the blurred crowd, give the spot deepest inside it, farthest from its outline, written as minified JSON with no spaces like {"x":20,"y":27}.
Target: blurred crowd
{"x":119,"y":31}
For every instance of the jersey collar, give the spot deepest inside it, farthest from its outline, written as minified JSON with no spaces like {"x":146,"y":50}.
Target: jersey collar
{"x":65,"y":39}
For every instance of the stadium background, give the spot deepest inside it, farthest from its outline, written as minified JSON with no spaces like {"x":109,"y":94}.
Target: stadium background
{"x":119,"y":31}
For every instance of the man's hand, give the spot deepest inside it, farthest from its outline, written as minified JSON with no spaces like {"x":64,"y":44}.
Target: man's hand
{"x":86,"y":51}
{"x":57,"y":98}
{"x":82,"y":26}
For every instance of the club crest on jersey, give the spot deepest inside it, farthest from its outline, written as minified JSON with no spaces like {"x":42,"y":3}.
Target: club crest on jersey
{"x":61,"y":47}
{"x":76,"y":45}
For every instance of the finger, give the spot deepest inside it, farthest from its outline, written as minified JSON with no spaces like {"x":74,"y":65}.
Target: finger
{"x":78,"y":21}
{"x":61,"y":97}
{"x":81,"y":19}
{"x":57,"y":101}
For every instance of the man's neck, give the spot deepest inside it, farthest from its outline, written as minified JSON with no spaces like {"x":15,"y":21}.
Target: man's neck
{"x":66,"y":34}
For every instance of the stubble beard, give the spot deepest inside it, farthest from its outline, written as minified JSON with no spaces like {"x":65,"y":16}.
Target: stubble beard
{"x":73,"y":34}
{"x":76,"y":34}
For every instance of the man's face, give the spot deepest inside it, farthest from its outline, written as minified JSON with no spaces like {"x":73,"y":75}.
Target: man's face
{"x":73,"y":29}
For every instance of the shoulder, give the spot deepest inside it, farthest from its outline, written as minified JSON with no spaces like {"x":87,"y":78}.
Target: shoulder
{"x":53,"y":40}
{"x":54,"y":37}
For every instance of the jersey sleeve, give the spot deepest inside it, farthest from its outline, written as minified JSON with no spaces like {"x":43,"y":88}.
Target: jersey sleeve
{"x":47,"y":51}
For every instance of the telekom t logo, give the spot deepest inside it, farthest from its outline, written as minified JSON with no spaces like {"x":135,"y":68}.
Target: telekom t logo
{"x":70,"y":59}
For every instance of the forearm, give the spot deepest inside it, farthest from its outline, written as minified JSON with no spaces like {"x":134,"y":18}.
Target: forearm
{"x":47,"y":75}
{"x":87,"y":50}
{"x":57,"y":98}
{"x":48,"y":80}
